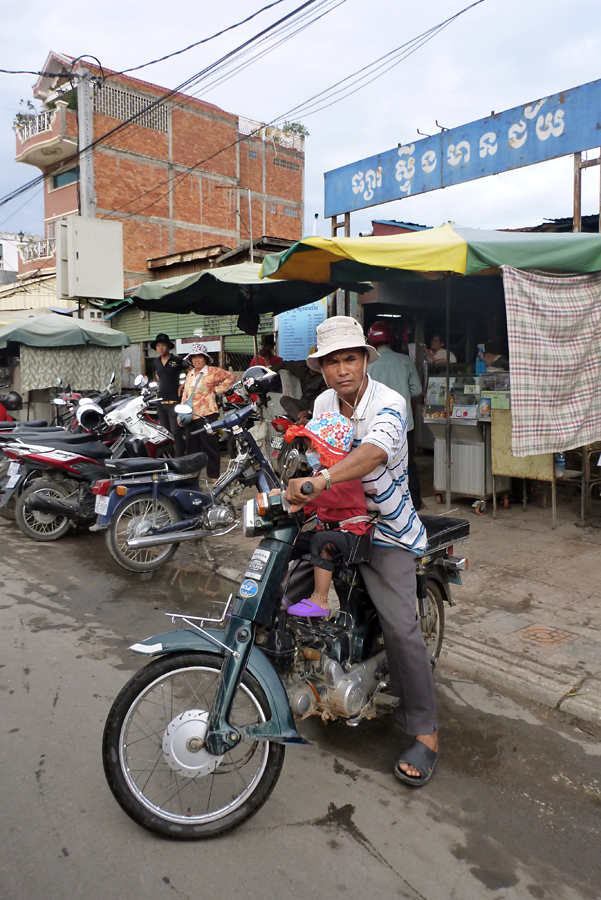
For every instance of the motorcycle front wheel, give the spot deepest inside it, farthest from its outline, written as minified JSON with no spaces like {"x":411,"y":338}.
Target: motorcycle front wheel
{"x":132,"y":519}
{"x":43,"y":526}
{"x":154,"y":757}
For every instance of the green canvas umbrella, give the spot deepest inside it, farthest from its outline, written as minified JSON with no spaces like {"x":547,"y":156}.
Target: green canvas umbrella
{"x":232,"y":290}
{"x":60,"y":331}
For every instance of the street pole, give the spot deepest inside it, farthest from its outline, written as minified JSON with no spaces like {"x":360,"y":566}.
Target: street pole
{"x":85,"y":127}
{"x":448,"y":393}
{"x":250,"y":228}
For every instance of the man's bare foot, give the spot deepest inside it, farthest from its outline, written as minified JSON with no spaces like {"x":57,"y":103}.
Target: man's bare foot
{"x":431,"y":741}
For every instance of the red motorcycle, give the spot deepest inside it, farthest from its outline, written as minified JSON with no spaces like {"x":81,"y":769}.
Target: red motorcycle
{"x":53,"y":483}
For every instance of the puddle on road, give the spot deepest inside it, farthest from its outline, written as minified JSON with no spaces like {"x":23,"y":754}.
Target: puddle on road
{"x":184,"y":589}
{"x":182,"y":585}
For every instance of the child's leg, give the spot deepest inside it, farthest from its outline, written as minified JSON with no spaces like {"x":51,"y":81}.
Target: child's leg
{"x":323,"y":580}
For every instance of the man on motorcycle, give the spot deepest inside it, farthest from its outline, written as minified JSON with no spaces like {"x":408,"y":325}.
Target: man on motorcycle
{"x":379,"y":417}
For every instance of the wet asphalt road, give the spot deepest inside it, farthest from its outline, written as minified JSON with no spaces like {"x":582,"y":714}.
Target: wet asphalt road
{"x":514,"y":809}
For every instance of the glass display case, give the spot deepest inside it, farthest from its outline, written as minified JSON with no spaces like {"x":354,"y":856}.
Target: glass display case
{"x":471,"y":398}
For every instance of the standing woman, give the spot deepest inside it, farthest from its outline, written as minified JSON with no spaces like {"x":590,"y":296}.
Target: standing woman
{"x":204,"y":381}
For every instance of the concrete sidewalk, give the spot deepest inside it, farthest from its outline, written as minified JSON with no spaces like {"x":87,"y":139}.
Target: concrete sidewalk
{"x":528,"y":616}
{"x":527,"y":619}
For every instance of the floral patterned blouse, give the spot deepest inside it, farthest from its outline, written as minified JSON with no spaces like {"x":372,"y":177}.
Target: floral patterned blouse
{"x":214,"y":381}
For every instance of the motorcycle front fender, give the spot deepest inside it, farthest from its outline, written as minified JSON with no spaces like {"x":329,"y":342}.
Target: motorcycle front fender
{"x":280,"y":728}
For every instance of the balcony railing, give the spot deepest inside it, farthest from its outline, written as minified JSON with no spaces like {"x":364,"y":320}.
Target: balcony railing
{"x":271,"y":133}
{"x":36,"y":125}
{"x":38,"y":250}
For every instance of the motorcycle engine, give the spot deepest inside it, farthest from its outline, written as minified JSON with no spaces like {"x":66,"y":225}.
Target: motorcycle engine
{"x":329,"y":690}
{"x":218,"y":516}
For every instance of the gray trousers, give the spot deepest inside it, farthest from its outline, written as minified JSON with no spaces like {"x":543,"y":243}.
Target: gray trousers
{"x":390,"y":581}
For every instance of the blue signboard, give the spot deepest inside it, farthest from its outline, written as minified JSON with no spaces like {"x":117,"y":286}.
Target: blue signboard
{"x":554,"y":126}
{"x":296,"y":329}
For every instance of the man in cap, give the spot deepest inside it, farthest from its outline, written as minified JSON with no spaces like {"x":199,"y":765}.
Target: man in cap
{"x":167,"y":369}
{"x":379,"y":417}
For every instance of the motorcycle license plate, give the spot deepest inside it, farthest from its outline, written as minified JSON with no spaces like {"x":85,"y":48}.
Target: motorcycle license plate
{"x":13,"y":468}
{"x":101,"y":505}
{"x":277,"y":442}
{"x":12,"y":481}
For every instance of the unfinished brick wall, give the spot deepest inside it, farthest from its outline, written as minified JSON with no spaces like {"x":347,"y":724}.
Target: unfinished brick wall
{"x":143,"y":179}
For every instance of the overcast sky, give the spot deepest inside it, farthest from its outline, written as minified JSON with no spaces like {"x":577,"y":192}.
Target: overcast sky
{"x":501,"y":54}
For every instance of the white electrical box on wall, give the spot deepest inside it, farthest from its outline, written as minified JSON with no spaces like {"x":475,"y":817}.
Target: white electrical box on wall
{"x":89,"y":258}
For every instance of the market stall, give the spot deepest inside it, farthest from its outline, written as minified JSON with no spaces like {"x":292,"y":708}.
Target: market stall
{"x":46,"y":348}
{"x":443,"y":253}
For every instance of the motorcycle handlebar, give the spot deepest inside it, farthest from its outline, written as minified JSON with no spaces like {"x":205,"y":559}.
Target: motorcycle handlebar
{"x":307,"y":488}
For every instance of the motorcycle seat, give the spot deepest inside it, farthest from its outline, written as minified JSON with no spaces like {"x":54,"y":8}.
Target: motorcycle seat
{"x":34,"y":423}
{"x":42,"y":429}
{"x":65,"y":437}
{"x":185,"y":465}
{"x":93,"y":450}
{"x":442,"y":531}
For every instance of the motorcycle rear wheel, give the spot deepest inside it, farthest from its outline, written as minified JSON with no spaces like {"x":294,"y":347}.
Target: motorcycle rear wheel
{"x":127,"y":522}
{"x":433,"y":623}
{"x":41,"y":526}
{"x":146,"y":744}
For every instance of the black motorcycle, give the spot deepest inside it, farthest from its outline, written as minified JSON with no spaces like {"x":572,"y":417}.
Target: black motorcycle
{"x":194,"y":743}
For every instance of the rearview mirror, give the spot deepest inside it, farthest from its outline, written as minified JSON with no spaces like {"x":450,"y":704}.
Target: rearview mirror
{"x":58,"y":402}
{"x":181,"y":409}
{"x":140,"y":381}
{"x":153,"y":385}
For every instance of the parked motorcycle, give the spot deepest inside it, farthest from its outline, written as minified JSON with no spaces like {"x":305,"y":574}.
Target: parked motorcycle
{"x":52,"y":472}
{"x":194,"y":743}
{"x":149,"y":507}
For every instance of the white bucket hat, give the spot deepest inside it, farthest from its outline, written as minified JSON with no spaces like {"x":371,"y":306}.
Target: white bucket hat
{"x":200,"y":350}
{"x":339,"y":333}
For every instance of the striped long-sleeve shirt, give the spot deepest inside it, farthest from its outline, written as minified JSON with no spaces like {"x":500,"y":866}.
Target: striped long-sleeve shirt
{"x":381,"y":419}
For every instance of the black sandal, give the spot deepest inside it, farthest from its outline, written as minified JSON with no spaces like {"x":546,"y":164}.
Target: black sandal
{"x":421,"y":758}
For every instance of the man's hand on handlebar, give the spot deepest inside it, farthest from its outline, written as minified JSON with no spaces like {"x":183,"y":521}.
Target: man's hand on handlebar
{"x":298,"y":497}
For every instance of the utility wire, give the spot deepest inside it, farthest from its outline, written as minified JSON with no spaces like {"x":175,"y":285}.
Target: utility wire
{"x":215,"y":67}
{"x":153,"y":104}
{"x":153,"y":61}
{"x":198,"y":43}
{"x":386,"y":63}
{"x":413,"y":46}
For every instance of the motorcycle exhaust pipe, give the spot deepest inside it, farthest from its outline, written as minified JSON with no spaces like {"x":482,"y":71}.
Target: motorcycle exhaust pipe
{"x":58,"y":507}
{"x":175,"y":537}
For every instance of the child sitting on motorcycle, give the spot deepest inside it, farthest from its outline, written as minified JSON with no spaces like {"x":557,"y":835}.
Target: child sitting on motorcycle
{"x":341,"y":511}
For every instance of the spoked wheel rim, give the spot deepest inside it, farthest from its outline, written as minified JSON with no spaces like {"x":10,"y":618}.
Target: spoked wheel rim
{"x":42,"y":522}
{"x":433,"y":625}
{"x":161,"y":747}
{"x":134,"y":521}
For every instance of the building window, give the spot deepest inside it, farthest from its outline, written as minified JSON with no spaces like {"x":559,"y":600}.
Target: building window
{"x":273,"y":208}
{"x":63,"y":178}
{"x":286,"y":164}
{"x":51,"y":230}
{"x":252,"y":154}
{"x":119,"y":103}
{"x":290,"y":212}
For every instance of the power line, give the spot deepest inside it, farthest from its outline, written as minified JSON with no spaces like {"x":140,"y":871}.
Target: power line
{"x":386,"y":63}
{"x":413,"y":46}
{"x":153,"y":104}
{"x":198,"y":43}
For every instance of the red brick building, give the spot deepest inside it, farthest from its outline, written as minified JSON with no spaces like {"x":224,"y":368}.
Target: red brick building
{"x":177,"y":177}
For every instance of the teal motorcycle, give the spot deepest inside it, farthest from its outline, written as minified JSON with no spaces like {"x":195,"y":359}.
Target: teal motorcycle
{"x":194,"y":743}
